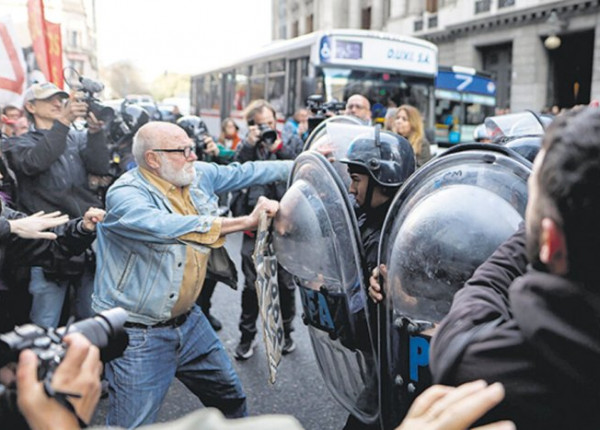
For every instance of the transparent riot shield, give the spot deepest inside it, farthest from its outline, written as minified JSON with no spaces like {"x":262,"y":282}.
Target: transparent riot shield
{"x":333,"y":140}
{"x":447,"y":219}
{"x":505,"y":127}
{"x":321,"y":129}
{"x":316,"y":239}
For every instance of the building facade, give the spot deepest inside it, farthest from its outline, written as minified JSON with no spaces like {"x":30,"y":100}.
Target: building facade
{"x":540,"y":52}
{"x":78,"y":31}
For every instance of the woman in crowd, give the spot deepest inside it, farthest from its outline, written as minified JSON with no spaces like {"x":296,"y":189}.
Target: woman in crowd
{"x":409,"y":124}
{"x":229,"y":134}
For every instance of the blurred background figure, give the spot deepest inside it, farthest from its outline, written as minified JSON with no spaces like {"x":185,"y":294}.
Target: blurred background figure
{"x":409,"y":124}
{"x":10,"y":116}
{"x":359,"y":107}
{"x":390,"y":118}
{"x":480,"y":134}
{"x":229,"y":137}
{"x":297,"y":125}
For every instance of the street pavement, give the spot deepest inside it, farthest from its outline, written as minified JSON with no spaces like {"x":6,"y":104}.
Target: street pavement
{"x":299,"y":389}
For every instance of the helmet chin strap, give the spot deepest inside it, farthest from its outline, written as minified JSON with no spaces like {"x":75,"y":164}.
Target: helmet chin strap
{"x":368,"y":205}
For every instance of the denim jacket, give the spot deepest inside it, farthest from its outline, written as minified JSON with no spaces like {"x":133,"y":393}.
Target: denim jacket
{"x":140,"y":258}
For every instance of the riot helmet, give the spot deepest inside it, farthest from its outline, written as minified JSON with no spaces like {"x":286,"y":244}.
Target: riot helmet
{"x":527,"y":146}
{"x":195,"y":128}
{"x":387,"y":157}
{"x":480,"y":134}
{"x":129,"y":120}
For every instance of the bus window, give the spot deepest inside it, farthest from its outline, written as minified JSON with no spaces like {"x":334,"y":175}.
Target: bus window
{"x":275,"y":92}
{"x":292,"y":87}
{"x":241,"y":89}
{"x":215,"y":91}
{"x":205,"y":96}
{"x":257,"y":82}
{"x":381,"y":88}
{"x":276,"y":85}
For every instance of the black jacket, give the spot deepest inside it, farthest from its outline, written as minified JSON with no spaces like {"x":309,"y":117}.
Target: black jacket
{"x":244,"y":201}
{"x":537,"y":333}
{"x":52,"y":168}
{"x":370,"y":224}
{"x":17,"y":252}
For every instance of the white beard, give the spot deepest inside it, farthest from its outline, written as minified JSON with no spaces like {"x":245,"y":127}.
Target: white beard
{"x":179,"y":178}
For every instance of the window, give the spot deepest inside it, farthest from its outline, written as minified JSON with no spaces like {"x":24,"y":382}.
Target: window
{"x":505,"y":3}
{"x":74,"y":39}
{"x":77,"y":65}
{"x":431,"y":6}
{"x":365,"y":19}
{"x":482,"y":6}
{"x":215,"y":91}
{"x":295,"y":30}
{"x":432,"y":21}
{"x":309,"y":23}
{"x":241,"y":89}
{"x":418,"y":25}
{"x":257,"y":81}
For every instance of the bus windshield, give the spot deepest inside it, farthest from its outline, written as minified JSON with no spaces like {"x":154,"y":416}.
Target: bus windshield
{"x":383,"y":89}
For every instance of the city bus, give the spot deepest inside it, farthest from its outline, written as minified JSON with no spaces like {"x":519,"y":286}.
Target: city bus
{"x":464,"y":98}
{"x":388,"y":69}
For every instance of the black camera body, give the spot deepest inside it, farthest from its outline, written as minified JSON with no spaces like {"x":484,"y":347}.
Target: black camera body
{"x":105,"y":330}
{"x":316,"y":105}
{"x":268,"y":136}
{"x":90,"y":87}
{"x":321,"y":110}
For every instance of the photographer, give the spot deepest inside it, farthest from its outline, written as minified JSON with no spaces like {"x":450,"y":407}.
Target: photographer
{"x":261,"y":143}
{"x":52,"y":163}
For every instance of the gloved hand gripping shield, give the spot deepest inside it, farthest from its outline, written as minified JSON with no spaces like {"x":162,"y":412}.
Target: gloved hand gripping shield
{"x":447,"y":219}
{"x":316,"y":238}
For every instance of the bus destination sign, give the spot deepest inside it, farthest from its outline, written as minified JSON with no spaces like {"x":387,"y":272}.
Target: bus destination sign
{"x":348,"y":50}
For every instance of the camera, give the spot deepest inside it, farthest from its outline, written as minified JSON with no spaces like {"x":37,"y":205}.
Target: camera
{"x":321,"y":110}
{"x":105,"y":330}
{"x":90,"y":87}
{"x":268,"y":136}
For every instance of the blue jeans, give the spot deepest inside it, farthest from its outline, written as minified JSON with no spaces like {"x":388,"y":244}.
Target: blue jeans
{"x":48,"y":297}
{"x":139,"y":380}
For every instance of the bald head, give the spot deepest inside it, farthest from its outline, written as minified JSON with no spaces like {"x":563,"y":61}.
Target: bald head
{"x":154,"y":135}
{"x":359,"y":106}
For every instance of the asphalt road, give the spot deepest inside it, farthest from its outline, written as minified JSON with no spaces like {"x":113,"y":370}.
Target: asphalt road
{"x":299,"y":389}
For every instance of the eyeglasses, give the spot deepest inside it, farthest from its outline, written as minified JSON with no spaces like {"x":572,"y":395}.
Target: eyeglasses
{"x":187,"y":151}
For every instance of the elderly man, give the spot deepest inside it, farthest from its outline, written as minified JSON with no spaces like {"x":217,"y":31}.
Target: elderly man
{"x":536,"y":328}
{"x":359,"y":107}
{"x":153,"y":247}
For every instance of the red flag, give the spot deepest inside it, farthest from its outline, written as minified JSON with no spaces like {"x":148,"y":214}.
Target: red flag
{"x":37,"y":28}
{"x":54,"y":42}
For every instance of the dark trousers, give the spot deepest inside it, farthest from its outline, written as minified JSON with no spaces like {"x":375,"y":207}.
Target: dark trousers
{"x":287,"y":297}
{"x":203,"y":299}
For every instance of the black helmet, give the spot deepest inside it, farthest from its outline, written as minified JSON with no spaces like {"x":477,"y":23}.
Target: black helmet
{"x":131,"y":117}
{"x":526,"y":146}
{"x":134,"y":116}
{"x":387,"y":157}
{"x":194,"y":127}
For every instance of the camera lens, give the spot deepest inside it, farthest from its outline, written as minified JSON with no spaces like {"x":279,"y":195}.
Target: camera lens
{"x":267,"y":134}
{"x":105,"y":330}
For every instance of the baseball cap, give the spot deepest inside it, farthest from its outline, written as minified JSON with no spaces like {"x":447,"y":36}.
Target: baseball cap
{"x":43,"y":91}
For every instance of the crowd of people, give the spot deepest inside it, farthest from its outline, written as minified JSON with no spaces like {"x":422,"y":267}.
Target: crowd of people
{"x":524,"y":327}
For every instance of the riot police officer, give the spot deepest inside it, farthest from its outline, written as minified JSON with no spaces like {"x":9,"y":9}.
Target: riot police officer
{"x":378,"y":165}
